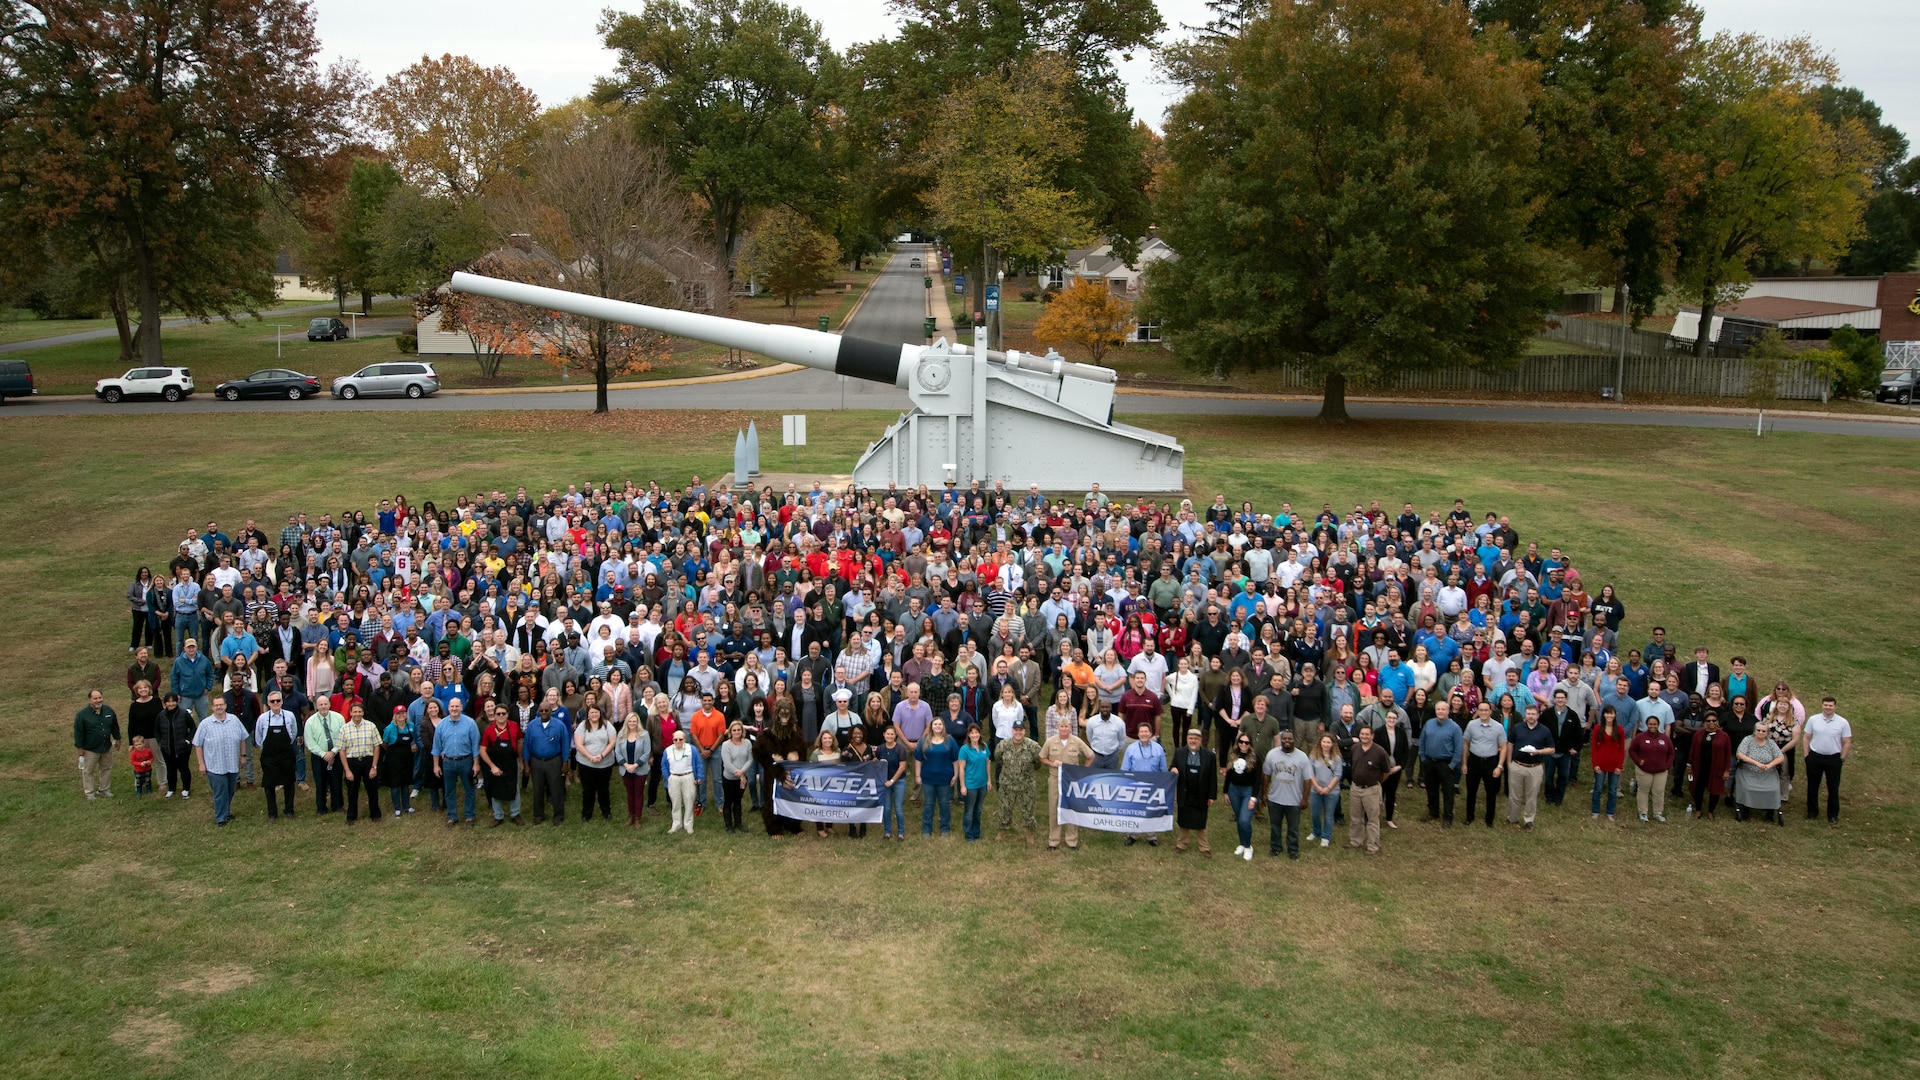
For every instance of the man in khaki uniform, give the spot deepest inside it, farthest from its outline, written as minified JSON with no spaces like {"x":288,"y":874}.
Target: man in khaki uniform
{"x":1064,"y":748}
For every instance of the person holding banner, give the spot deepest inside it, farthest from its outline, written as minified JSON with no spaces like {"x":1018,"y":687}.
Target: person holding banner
{"x":856,"y":751}
{"x":1106,"y":735}
{"x":974,"y":783}
{"x":771,"y":752}
{"x":1064,"y":748}
{"x":1199,"y":775}
{"x":1144,"y":755}
{"x":827,"y":749}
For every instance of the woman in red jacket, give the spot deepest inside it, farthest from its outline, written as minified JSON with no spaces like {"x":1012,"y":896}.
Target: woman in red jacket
{"x":1652,"y":754}
{"x":1707,"y":765}
{"x":1609,"y":758}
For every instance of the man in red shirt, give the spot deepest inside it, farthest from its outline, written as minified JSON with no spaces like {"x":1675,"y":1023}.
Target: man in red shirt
{"x":1139,"y":705}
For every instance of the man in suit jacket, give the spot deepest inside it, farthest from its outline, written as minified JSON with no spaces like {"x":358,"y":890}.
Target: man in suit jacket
{"x":285,"y":642}
{"x":1697,"y":676}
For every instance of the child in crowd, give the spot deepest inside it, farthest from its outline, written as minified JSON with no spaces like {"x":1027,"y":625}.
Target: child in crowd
{"x":142,"y":760}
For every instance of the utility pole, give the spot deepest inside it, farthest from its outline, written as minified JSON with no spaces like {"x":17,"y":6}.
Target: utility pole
{"x":1626,"y":305}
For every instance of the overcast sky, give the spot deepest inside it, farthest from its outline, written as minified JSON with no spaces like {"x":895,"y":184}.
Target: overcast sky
{"x":551,"y":44}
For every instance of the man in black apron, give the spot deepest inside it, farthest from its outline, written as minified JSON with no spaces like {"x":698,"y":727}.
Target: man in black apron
{"x":276,"y":732}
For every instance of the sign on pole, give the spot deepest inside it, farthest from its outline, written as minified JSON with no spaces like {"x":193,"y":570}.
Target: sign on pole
{"x":793,"y":429}
{"x":993,"y":298}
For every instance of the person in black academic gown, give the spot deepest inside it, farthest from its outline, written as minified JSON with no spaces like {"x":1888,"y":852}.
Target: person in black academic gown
{"x":1198,"y":771}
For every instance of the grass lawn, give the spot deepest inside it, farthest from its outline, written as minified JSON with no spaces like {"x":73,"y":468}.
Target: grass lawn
{"x":143,"y":942}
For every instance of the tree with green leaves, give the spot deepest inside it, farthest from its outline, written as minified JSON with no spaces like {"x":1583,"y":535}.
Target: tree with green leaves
{"x":735,"y":92}
{"x":347,"y":253}
{"x":995,"y":153}
{"x":1770,"y":175}
{"x":789,"y":255}
{"x":1889,"y":239}
{"x":1349,"y":187}
{"x":147,"y":133}
{"x":423,"y":239}
{"x":1609,"y":115}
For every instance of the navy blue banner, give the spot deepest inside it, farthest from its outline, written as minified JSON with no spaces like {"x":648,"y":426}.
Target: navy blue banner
{"x":832,"y":793}
{"x":1116,"y":801}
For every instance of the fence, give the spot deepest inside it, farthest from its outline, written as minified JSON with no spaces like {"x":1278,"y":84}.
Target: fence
{"x":1605,"y":334}
{"x":1680,"y":376}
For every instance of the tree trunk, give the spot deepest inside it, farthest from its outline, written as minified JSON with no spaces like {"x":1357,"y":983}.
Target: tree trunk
{"x":148,"y":288}
{"x":1333,"y":398}
{"x":117,"y":303}
{"x":1705,"y":337}
{"x":366,"y":301}
{"x":340,"y":298}
{"x":600,"y":385}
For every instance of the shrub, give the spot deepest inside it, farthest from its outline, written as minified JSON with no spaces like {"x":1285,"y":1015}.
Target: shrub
{"x":408,"y":342}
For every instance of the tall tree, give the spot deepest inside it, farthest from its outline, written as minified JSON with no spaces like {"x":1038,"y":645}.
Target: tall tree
{"x":604,"y":216}
{"x":735,"y":93}
{"x":1769,"y":174}
{"x":946,"y":45}
{"x":995,"y":153}
{"x":147,"y":132}
{"x":790,"y":255}
{"x":1889,"y":239}
{"x":423,"y":239}
{"x":1609,"y":116}
{"x":347,"y":251}
{"x":452,"y":127}
{"x":1349,"y":187}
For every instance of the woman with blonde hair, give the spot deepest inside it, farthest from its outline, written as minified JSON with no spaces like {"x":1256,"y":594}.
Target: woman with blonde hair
{"x":876,"y":718}
{"x":1327,"y":766}
{"x":633,"y":757}
{"x":826,"y":749}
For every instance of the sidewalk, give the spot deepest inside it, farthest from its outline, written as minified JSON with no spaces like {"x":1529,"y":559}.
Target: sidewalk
{"x":1502,"y":403}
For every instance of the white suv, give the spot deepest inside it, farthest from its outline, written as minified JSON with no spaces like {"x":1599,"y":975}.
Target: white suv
{"x":169,"y":383}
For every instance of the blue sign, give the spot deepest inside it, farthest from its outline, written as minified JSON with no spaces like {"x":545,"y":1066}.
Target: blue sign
{"x":831,"y":793}
{"x":993,"y":298}
{"x":1116,"y":801}
{"x":959,"y":283}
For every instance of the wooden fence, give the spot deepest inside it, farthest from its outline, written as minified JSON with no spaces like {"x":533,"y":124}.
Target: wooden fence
{"x":1680,"y":376}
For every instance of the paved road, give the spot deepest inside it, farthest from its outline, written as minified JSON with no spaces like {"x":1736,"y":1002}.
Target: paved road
{"x":897,"y":303}
{"x":165,"y":324}
{"x":892,"y":313}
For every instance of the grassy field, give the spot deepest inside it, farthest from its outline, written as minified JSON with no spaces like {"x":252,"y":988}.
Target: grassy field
{"x":140,"y":941}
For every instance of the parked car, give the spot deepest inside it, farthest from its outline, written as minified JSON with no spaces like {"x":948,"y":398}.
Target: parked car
{"x":1896,"y":385}
{"x":914,"y":264}
{"x":412,"y":378}
{"x":169,"y":383}
{"x":273,"y":382}
{"x":328,"y":329}
{"x":16,"y":380}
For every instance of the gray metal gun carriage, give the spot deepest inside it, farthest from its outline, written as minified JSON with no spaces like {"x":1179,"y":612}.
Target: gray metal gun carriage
{"x":978,"y":414}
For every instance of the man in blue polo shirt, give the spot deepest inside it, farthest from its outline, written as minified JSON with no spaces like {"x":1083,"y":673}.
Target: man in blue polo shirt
{"x":548,"y":746}
{"x":1397,"y":677}
{"x":456,"y":742}
{"x":1441,"y":745}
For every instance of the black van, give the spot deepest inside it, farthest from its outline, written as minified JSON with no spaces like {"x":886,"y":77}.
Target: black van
{"x":16,"y":380}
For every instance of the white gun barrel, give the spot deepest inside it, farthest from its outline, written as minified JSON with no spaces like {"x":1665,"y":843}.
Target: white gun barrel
{"x":858,"y":358}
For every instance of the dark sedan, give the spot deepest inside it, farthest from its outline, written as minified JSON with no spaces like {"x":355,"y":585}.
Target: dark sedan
{"x":273,"y":382}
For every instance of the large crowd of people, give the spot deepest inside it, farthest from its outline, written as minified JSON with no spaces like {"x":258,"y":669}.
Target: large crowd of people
{"x":491,"y":653}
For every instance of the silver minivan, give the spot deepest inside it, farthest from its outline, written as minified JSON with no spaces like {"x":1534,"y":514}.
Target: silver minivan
{"x":409,"y":377}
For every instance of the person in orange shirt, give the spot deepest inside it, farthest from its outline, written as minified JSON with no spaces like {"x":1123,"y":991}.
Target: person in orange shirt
{"x":708,"y":727}
{"x":1081,"y":673}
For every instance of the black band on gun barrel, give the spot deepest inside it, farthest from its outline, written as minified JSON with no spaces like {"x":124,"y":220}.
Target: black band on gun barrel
{"x":869,"y":360}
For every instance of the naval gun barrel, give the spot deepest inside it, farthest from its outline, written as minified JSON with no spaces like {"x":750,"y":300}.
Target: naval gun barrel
{"x":857,"y":358}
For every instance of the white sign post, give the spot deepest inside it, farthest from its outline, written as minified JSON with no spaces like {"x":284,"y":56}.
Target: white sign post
{"x":793,"y":432}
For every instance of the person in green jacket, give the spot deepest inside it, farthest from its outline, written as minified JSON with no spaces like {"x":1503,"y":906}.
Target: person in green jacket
{"x":96,"y":734}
